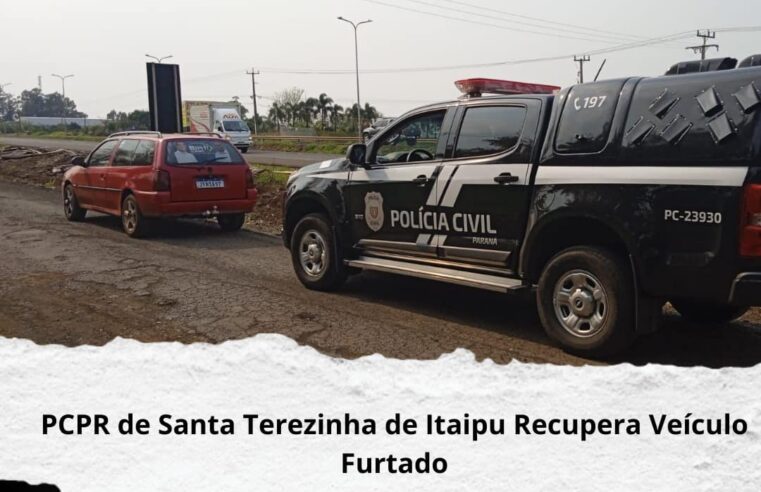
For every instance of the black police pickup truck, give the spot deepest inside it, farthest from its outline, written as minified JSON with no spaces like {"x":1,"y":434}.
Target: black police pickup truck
{"x":610,"y":198}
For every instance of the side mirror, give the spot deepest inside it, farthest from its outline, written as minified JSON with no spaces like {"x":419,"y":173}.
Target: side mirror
{"x":355,"y":154}
{"x":78,"y":161}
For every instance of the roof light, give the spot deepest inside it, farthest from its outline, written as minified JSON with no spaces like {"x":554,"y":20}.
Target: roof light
{"x":476,"y":87}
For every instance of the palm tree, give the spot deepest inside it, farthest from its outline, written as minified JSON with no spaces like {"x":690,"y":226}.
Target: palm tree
{"x":335,"y":115}
{"x":290,"y":113}
{"x":323,"y":106}
{"x":276,"y":114}
{"x":369,"y":113}
{"x":310,"y":110}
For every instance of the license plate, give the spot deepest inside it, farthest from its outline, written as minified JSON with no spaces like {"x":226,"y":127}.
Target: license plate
{"x":210,"y":183}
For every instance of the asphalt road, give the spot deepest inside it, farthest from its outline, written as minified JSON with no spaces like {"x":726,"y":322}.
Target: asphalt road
{"x":87,"y":283}
{"x":289,"y":159}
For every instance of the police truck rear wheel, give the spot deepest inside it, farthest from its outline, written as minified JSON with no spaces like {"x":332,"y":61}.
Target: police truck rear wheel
{"x":586,"y":301}
{"x":314,"y":254}
{"x":708,"y":313}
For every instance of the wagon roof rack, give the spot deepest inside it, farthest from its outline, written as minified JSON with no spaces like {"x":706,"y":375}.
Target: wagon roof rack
{"x":136,"y":132}
{"x":203,"y":133}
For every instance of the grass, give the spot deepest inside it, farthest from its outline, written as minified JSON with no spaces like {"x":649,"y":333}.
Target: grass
{"x":271,"y":176}
{"x":291,"y":146}
{"x":57,"y":136}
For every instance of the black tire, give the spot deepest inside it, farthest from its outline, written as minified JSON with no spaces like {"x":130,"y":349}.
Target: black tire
{"x":134,"y":223}
{"x":71,"y":208}
{"x":597,"y":318}
{"x":243,"y":150}
{"x":708,"y":313}
{"x":231,"y":222}
{"x":323,"y":267}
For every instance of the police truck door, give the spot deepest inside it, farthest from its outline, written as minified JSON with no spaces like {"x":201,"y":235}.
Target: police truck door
{"x":487,"y":181}
{"x":392,"y":201}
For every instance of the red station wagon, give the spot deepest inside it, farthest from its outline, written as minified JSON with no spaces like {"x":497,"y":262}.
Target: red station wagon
{"x":145,"y":175}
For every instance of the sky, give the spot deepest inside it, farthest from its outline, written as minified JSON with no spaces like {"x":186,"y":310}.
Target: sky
{"x":103,"y":43}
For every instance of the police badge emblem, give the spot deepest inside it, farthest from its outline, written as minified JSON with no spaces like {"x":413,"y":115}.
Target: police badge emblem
{"x":374,"y":211}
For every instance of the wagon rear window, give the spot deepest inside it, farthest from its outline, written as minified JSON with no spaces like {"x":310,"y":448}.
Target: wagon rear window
{"x":202,"y":151}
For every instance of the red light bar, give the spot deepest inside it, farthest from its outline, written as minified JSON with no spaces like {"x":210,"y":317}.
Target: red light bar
{"x":476,"y":87}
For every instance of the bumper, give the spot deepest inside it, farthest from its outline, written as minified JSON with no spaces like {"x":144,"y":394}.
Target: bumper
{"x":746,"y":290}
{"x":159,"y":204}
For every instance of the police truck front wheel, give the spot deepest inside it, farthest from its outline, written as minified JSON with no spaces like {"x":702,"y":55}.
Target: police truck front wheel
{"x":586,"y":301}
{"x":314,"y":254}
{"x":708,"y":313}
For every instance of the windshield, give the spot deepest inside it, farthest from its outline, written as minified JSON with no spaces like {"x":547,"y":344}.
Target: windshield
{"x":235,"y":126}
{"x":201,"y":151}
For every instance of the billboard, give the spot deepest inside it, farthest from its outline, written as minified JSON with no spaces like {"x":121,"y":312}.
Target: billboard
{"x":164,"y":97}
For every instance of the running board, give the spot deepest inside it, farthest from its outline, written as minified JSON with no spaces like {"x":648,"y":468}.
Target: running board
{"x":450,"y":275}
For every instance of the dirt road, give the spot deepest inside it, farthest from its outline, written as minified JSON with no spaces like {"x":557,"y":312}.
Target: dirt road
{"x":288,"y":159}
{"x":87,"y":283}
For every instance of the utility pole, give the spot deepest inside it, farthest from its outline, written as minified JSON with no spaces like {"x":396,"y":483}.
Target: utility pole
{"x":702,"y":48}
{"x":581,"y":60}
{"x":253,"y":73}
{"x":356,"y":68}
{"x":39,"y":82}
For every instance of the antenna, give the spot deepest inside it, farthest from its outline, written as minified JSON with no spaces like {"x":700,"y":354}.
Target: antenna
{"x":600,"y":69}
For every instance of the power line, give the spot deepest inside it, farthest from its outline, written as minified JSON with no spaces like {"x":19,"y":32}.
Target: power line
{"x":511,"y":14}
{"x":611,"y":38}
{"x":470,"y":21}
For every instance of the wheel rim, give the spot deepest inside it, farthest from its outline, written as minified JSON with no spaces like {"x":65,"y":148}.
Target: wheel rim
{"x":581,"y":303}
{"x":68,"y":201}
{"x":129,"y":215}
{"x":313,"y":253}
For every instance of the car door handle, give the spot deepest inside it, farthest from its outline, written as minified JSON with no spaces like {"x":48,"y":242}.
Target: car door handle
{"x":506,"y":178}
{"x":421,"y":180}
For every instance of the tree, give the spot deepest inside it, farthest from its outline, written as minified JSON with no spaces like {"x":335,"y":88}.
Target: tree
{"x":136,"y":120}
{"x":324,"y":103}
{"x":276,"y":114}
{"x":35,"y":103}
{"x":288,"y":96}
{"x":8,"y":106}
{"x":336,"y":112}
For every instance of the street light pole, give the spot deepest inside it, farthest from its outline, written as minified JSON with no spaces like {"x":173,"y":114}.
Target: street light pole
{"x":159,"y":59}
{"x":63,"y":94}
{"x":356,"y":68}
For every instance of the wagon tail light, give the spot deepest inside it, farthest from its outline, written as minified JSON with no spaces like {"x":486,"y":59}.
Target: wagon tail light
{"x":161,"y":181}
{"x":249,"y":178}
{"x":750,"y":228}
